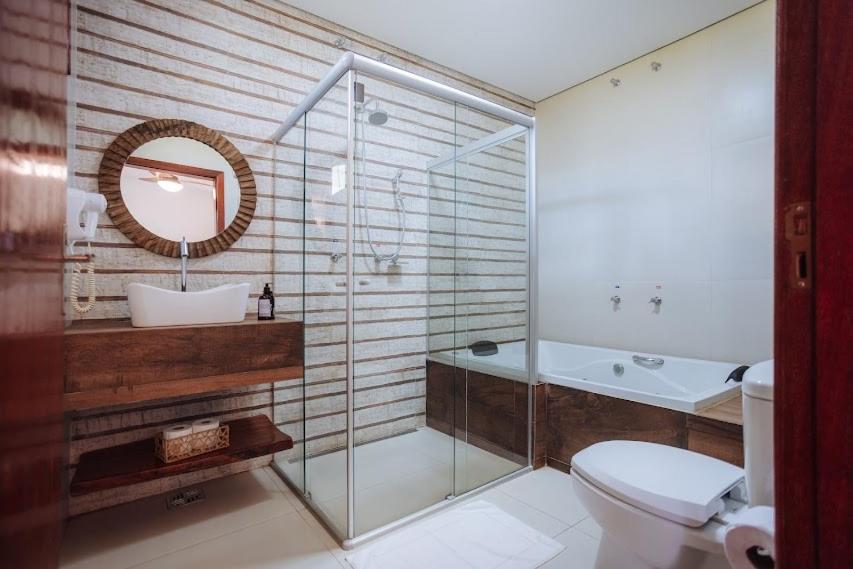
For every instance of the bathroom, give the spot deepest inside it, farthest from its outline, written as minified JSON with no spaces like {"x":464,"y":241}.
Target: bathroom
{"x":293,"y":284}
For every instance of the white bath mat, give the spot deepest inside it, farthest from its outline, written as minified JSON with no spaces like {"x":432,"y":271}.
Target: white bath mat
{"x":478,"y":535}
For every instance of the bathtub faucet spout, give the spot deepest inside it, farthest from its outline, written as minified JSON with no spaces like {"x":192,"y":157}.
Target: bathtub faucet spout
{"x":651,"y":363}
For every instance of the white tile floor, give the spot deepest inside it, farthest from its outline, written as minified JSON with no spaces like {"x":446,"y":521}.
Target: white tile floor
{"x":398,"y":476}
{"x":253,"y":521}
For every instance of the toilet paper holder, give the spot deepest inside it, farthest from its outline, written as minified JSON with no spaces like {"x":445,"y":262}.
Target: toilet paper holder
{"x":760,"y":557}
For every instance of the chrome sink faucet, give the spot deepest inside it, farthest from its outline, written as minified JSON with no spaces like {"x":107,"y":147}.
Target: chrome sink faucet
{"x":185,"y":253}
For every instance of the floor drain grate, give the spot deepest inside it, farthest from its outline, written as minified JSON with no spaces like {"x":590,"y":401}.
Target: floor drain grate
{"x":185,"y":498}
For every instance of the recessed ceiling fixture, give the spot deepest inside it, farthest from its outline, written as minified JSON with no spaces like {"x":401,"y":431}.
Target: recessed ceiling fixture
{"x":171,"y":185}
{"x":165,"y":180}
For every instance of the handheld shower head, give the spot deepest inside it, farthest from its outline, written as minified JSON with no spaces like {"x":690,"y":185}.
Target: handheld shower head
{"x":395,"y":182}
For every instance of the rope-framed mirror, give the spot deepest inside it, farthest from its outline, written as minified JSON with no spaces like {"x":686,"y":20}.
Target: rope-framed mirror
{"x":168,"y":179}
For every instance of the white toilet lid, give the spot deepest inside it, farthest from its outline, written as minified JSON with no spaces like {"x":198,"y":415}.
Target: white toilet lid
{"x":676,"y":484}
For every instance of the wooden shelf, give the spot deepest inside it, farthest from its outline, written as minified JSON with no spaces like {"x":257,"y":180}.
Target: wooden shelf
{"x":108,"y":362}
{"x":127,"y":394}
{"x":135,"y":462}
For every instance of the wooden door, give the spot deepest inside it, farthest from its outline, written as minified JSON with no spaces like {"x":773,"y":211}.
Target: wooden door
{"x":814,"y":263}
{"x":33,"y":69}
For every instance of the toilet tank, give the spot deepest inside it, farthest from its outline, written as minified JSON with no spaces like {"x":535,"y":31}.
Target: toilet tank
{"x":757,"y":389}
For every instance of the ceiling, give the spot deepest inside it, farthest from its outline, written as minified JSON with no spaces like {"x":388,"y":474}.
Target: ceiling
{"x":533,"y":48}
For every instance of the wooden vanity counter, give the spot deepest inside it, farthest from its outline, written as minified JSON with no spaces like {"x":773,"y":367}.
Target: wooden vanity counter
{"x":109,"y":362}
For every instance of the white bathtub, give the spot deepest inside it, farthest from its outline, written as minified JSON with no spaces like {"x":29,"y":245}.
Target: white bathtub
{"x":510,"y":361}
{"x":680,"y":383}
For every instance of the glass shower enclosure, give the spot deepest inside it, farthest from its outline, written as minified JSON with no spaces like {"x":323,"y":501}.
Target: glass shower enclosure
{"x":403,"y":226}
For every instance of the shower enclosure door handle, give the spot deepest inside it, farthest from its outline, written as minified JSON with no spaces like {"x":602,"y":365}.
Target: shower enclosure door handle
{"x":364,"y":282}
{"x":341,"y":283}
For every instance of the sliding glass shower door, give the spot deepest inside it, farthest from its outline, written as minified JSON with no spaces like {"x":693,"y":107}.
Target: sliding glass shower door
{"x":478,"y":296}
{"x":400,"y":466}
{"x":491,"y":295}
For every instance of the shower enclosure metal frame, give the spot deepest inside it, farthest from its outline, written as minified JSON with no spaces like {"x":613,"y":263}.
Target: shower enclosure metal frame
{"x":348,"y":65}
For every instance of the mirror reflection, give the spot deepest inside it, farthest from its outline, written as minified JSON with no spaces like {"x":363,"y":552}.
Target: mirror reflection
{"x":179,"y":187}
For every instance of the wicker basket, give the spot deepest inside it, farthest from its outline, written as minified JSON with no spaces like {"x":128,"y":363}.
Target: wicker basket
{"x":194,"y":444}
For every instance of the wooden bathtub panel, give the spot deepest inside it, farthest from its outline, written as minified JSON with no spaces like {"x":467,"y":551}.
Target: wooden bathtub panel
{"x":577,"y":419}
{"x":540,"y":425}
{"x":493,"y":409}
{"x":715,"y":438}
{"x":439,"y":397}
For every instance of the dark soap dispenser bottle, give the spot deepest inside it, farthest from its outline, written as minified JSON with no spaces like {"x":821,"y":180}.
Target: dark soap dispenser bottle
{"x":266,"y":304}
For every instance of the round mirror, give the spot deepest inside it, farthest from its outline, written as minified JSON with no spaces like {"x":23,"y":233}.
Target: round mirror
{"x":166,"y":180}
{"x":179,"y":187}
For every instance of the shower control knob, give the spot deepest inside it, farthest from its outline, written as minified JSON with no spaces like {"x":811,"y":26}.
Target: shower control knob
{"x":656,"y":300}
{"x":615,"y":299}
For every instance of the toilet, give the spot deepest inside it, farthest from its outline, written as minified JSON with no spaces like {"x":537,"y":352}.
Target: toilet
{"x":662,"y":507}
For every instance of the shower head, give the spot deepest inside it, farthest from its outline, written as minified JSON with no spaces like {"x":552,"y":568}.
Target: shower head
{"x":378,"y":117}
{"x":375,"y":117}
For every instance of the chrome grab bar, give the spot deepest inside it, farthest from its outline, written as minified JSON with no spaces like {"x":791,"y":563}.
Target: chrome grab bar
{"x":651,"y":363}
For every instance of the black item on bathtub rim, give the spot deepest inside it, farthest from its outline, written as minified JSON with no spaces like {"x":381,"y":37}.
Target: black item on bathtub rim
{"x":483,"y":348}
{"x":737,"y":375}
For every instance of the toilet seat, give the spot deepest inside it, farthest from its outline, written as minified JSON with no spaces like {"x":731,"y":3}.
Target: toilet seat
{"x":679,"y":485}
{"x":642,"y":540}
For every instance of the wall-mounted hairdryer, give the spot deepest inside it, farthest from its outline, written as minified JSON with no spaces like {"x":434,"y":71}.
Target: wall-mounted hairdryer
{"x":81,"y":219}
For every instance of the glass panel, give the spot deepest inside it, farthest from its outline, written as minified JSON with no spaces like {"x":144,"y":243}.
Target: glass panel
{"x":313,"y":189}
{"x":325,"y":305}
{"x":401,"y":464}
{"x":289,"y":285}
{"x":490,"y":300}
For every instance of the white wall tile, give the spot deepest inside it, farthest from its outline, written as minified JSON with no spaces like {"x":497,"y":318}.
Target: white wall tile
{"x":742,"y":320}
{"x":665,"y":180}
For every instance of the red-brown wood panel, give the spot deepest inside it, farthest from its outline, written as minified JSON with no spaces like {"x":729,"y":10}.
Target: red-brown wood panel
{"x":813,"y":324}
{"x":834,"y":255}
{"x":794,"y":311}
{"x":33,"y":68}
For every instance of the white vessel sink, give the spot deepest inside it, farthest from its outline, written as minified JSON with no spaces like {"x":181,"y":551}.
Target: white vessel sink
{"x":152,"y":306}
